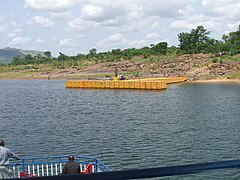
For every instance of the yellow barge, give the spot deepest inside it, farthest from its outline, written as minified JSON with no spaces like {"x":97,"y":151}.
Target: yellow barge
{"x":147,"y":83}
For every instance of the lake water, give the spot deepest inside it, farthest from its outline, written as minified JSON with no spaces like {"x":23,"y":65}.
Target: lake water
{"x":126,"y":129}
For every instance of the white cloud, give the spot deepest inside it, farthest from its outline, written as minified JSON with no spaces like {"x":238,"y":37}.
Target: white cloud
{"x":15,"y":27}
{"x":50,"y":5}
{"x":14,"y":24}
{"x":39,"y":41}
{"x":102,"y":11}
{"x":79,"y":24}
{"x":61,"y":15}
{"x":233,"y":26}
{"x":193,"y":22}
{"x":1,"y":18}
{"x":11,"y":35}
{"x":42,"y":21}
{"x":138,"y":43}
{"x":135,"y":21}
{"x":186,"y":10}
{"x":92,"y":12}
{"x":2,"y":24}
{"x":116,"y":40}
{"x":109,"y":13}
{"x":180,"y":24}
{"x":19,"y":40}
{"x":116,"y":22}
{"x":1,"y":28}
{"x":151,"y":38}
{"x":171,"y":8}
{"x":127,"y":21}
{"x":228,"y":9}
{"x":155,"y":25}
{"x":17,"y":30}
{"x":67,"y":42}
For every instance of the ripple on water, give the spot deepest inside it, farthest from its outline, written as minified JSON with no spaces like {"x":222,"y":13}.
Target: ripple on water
{"x":187,"y":123}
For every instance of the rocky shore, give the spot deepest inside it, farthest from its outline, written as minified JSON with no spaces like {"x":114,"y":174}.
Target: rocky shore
{"x":196,"y":67}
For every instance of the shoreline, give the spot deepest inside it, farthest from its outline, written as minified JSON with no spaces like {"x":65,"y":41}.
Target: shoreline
{"x":216,"y":81}
{"x":188,"y":81}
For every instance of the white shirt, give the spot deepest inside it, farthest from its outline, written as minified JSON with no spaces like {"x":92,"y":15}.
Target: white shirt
{"x":5,"y":154}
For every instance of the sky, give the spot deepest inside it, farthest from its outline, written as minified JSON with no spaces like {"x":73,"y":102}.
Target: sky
{"x":76,"y":26}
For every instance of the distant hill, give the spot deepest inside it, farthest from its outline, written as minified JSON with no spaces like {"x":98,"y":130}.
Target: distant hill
{"x":7,"y":54}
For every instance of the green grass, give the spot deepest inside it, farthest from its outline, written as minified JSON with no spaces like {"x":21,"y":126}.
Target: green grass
{"x":235,"y":75}
{"x":215,"y":60}
{"x":86,"y":76}
{"x":230,"y":58}
{"x":23,"y":71}
{"x":17,"y":75}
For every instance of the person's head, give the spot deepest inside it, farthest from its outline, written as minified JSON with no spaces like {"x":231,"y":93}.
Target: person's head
{"x":71,"y":158}
{"x":2,"y":143}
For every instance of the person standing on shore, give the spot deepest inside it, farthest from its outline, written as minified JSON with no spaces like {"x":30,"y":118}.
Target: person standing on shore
{"x":5,"y":155}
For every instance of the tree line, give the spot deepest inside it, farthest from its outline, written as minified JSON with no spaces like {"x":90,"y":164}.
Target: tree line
{"x":195,"y":41}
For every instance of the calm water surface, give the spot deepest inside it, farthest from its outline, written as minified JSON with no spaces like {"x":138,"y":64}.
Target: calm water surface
{"x":126,"y":129}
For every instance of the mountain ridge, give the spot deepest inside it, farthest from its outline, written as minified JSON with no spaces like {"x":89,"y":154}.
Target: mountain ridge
{"x":7,"y":54}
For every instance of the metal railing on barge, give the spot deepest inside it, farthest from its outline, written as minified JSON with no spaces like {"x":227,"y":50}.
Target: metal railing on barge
{"x":151,"y":172}
{"x":52,"y":165}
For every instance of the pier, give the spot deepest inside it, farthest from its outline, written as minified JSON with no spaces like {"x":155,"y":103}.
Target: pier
{"x":144,"y":83}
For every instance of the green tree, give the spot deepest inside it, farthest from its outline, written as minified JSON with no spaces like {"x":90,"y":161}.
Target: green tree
{"x":62,"y":57}
{"x":196,"y":41}
{"x":48,"y":54}
{"x":146,"y":51}
{"x":116,"y":52}
{"x":160,"y":48}
{"x":173,"y":50}
{"x":18,"y":61}
{"x":28,"y":57}
{"x":93,"y":52}
{"x":232,"y":41}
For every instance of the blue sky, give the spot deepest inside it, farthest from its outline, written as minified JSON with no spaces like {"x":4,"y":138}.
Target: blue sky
{"x":76,"y":26}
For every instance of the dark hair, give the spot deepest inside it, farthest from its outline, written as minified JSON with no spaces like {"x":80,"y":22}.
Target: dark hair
{"x":2,"y":142}
{"x":71,"y":158}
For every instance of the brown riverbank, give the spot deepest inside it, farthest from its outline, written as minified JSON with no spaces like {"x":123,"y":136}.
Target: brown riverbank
{"x":196,"y":67}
